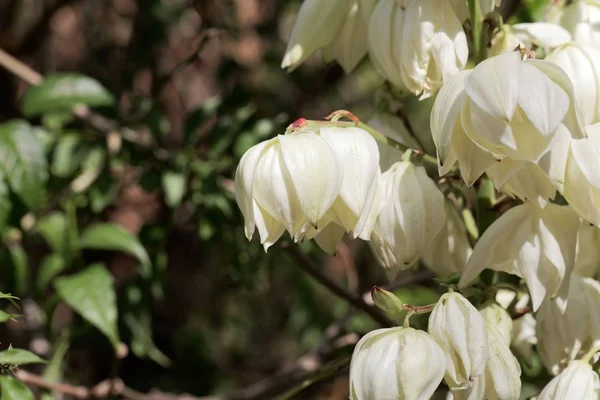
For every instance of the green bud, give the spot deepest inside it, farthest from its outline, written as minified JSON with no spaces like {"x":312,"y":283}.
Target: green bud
{"x":388,"y":302}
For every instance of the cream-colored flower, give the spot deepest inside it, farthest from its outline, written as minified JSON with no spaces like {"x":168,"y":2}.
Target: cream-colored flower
{"x":577,"y":381}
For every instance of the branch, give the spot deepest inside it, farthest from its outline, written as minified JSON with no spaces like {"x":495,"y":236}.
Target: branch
{"x":307,"y":266}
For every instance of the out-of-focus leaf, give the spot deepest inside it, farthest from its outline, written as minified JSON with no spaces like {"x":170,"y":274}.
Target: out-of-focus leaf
{"x":19,"y":357}
{"x":60,"y":92}
{"x":54,"y":370}
{"x":54,"y":228}
{"x":102,"y":193}
{"x":91,"y":294}
{"x":55,"y":121}
{"x":198,"y":117}
{"x":92,"y":166}
{"x":111,"y":236}
{"x":10,"y":297}
{"x":5,"y":203}
{"x":4,"y":316}
{"x":52,"y":265}
{"x":174,"y":185}
{"x":19,"y":267}
{"x":23,"y":162}
{"x":142,"y":344}
{"x":68,"y":155}
{"x":14,"y":389}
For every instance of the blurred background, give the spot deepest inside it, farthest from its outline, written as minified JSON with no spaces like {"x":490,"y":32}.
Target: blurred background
{"x":120,"y":233}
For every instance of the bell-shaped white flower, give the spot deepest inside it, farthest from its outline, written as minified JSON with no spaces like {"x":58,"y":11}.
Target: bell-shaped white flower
{"x":587,"y":259}
{"x":449,"y":250}
{"x":496,"y":316}
{"x":338,"y":27}
{"x":577,"y":381}
{"x":310,"y":184}
{"x":460,"y":331}
{"x":524,"y":336}
{"x":526,"y":35}
{"x":535,"y":244}
{"x":566,"y":335}
{"x":411,"y":216}
{"x":581,"y":19}
{"x":396,"y":363}
{"x":501,"y":379}
{"x":582,"y":181}
{"x":417,"y":44}
{"x":582,"y":64}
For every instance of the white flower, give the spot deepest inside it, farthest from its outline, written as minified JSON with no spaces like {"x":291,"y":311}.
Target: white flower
{"x":338,"y":27}
{"x":450,"y":249}
{"x":582,"y":64}
{"x":497,"y":317}
{"x":507,"y":108}
{"x":565,"y":335}
{"x":587,"y":259}
{"x":396,"y":363}
{"x":412,"y":215}
{"x":501,"y":379}
{"x":535,"y":244}
{"x":581,"y":19}
{"x":524,"y":337}
{"x":541,"y":34}
{"x":460,"y":331}
{"x":417,"y":44}
{"x":310,"y":184}
{"x":582,"y":181}
{"x":577,"y":381}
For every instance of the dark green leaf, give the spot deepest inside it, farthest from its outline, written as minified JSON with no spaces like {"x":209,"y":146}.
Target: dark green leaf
{"x":114,"y":237}
{"x":14,"y":389}
{"x":91,"y":294}
{"x":19,"y":357}
{"x":52,"y":265}
{"x":20,"y":267}
{"x":142,"y":344}
{"x":60,"y":92}
{"x":174,"y":185}
{"x":53,"y":228}
{"x":23,"y":162}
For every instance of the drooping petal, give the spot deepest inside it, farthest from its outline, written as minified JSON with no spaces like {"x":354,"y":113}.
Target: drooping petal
{"x":542,"y":34}
{"x":329,"y":237}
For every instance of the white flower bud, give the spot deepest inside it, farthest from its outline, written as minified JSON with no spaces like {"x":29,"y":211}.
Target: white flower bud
{"x":577,"y":381}
{"x":450,"y":249}
{"x":582,"y":181}
{"x":501,"y":379}
{"x":498,"y":318}
{"x":460,"y":331}
{"x":417,"y":46}
{"x":524,"y":336}
{"x":582,"y":64}
{"x":587,"y":260}
{"x":581,"y":19}
{"x":396,"y":363}
{"x":535,"y":244}
{"x":564,"y":335}
{"x":412,"y":215}
{"x":310,"y":184}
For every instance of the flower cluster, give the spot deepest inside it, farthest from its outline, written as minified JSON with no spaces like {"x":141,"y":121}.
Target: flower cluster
{"x":520,"y":129}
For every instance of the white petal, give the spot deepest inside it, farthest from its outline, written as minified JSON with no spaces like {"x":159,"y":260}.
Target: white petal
{"x":542,"y":34}
{"x":315,"y":172}
{"x":329,"y":237}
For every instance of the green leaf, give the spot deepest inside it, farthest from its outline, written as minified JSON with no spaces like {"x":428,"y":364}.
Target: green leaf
{"x":54,"y":370}
{"x":91,"y":294}
{"x":10,"y":297}
{"x":4,"y":316}
{"x":54,"y":228}
{"x":14,"y":389}
{"x":19,"y":267}
{"x":114,"y":237}
{"x":52,"y":265}
{"x":68,"y":155}
{"x":19,"y":357}
{"x":174,"y":185}
{"x":23,"y":162}
{"x":60,"y":92}
{"x":142,"y":344}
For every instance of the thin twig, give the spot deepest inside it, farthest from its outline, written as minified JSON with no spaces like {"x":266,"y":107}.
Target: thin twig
{"x":307,"y":266}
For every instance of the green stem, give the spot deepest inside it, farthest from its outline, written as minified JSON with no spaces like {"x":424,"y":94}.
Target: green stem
{"x":479,"y":45}
{"x":409,"y":314}
{"x":590,"y":354}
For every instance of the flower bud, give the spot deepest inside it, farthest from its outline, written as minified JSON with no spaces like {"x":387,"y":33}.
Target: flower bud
{"x":587,"y":260}
{"x":498,"y":318}
{"x":535,"y":244}
{"x":577,"y":381}
{"x":501,"y":379}
{"x":310,"y":183}
{"x":413,"y":213}
{"x":564,"y":335}
{"x":396,"y":363}
{"x":450,"y":249}
{"x":582,"y":64}
{"x":388,"y":302}
{"x":460,"y":331}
